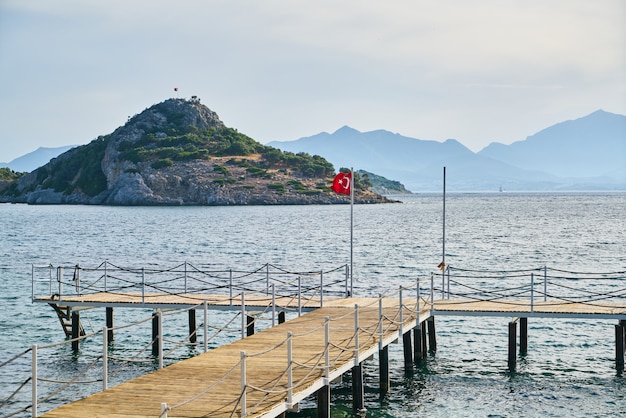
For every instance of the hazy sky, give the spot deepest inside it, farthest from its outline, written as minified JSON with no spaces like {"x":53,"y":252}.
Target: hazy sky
{"x":477,"y":71}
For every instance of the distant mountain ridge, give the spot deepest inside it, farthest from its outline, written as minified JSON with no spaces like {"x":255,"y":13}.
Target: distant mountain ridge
{"x":587,"y":153}
{"x":32,"y":160}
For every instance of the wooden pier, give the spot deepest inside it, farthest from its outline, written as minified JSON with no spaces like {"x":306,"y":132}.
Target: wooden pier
{"x":267,"y":373}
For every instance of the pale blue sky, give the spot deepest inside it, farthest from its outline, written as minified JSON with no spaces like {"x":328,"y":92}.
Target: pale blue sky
{"x":477,"y":71}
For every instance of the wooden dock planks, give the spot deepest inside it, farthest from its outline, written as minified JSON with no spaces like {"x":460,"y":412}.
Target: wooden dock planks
{"x":180,"y":382}
{"x":209,"y":384}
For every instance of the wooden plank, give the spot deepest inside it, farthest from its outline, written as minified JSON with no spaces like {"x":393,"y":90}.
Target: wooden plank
{"x":180,"y":382}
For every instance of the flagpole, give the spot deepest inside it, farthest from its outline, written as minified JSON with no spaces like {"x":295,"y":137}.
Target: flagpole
{"x":351,"y":227}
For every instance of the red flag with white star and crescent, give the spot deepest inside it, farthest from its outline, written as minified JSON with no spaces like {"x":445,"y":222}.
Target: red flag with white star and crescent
{"x":342,"y":183}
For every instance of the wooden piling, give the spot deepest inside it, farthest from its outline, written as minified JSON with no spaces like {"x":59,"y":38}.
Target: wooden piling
{"x":75,"y":330}
{"x":432,"y":337}
{"x":418,"y":351}
{"x":249,"y":325}
{"x":523,"y":336}
{"x":323,"y":402}
{"x":512,"y":345}
{"x":408,"y":352}
{"x":619,"y":347}
{"x":109,"y":321}
{"x":358,"y":392}
{"x":424,"y":340}
{"x":156,"y":338}
{"x":383,"y":370}
{"x":281,"y":317}
{"x":193,"y":333}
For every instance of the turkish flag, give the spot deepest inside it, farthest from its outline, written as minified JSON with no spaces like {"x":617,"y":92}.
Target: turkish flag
{"x":342,"y":183}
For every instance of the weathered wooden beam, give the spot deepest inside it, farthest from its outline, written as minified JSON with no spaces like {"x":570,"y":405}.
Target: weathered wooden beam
{"x":512,"y":345}
{"x":323,"y":402}
{"x":109,"y":321}
{"x":523,"y":336}
{"x":75,"y":330}
{"x":358,"y":392}
{"x":193,"y":333}
{"x":383,"y":370}
{"x":432,"y":336}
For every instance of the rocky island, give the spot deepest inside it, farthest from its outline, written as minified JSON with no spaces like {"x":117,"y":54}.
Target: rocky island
{"x":179,"y":152}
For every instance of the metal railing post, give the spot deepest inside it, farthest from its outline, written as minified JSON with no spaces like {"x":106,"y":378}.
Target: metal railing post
{"x":347,"y":277}
{"x":327,"y":350}
{"x":545,"y":283}
{"x":60,"y":279}
{"x":244,"y":383}
{"x":419,"y":308}
{"x":381,"y":331}
{"x":163,"y":410}
{"x":432,"y":294}
{"x":267,"y":278}
{"x":230,"y":286}
{"x":185,"y":276}
{"x":33,"y":381}
{"x":401,"y":325}
{"x":532,"y":292}
{"x":161,"y":340}
{"x":32,"y":282}
{"x":243,"y":315}
{"x":206,"y":326}
{"x":143,"y":284}
{"x":448,"y":272}
{"x":105,"y":275}
{"x":105,"y":358}
{"x":356,"y":335}
{"x":289,"y":370}
{"x":273,"y":304}
{"x":77,"y":283}
{"x":321,"y":288}
{"x":299,"y":296}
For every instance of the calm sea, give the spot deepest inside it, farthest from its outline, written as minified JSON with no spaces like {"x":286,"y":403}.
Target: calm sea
{"x":570,"y":366}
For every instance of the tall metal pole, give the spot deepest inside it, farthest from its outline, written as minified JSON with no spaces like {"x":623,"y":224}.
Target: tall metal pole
{"x":443,"y":257}
{"x":351,"y":226}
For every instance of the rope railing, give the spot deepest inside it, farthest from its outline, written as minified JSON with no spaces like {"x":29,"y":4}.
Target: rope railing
{"x":186,"y":279}
{"x":541,"y":284}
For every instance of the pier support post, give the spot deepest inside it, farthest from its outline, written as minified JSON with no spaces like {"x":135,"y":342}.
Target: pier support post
{"x":523,"y":336}
{"x":156,"y":338}
{"x":383,"y":370}
{"x":281,"y":317}
{"x":512,"y":345}
{"x":619,"y":347}
{"x":75,"y":330}
{"x":358,"y":393}
{"x":408,"y":352}
{"x":432,"y":337}
{"x":418,"y":350}
{"x":109,"y":321}
{"x":424,"y":339}
{"x":249,"y":325}
{"x":323,"y":402}
{"x":193,"y":332}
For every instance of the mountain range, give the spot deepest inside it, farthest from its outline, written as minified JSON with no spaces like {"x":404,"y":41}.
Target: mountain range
{"x":588,"y":153}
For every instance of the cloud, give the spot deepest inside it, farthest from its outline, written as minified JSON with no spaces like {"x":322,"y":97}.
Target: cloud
{"x":281,"y":69}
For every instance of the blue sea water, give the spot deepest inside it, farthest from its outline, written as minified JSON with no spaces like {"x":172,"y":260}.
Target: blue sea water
{"x":570,"y":366}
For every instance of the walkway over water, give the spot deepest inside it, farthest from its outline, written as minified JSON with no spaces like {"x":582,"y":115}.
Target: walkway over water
{"x":268,"y":373}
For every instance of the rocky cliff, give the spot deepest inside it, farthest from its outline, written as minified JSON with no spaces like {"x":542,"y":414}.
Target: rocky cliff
{"x":179,"y":152}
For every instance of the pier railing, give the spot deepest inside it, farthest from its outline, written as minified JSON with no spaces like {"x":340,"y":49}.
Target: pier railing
{"x":340,"y":343}
{"x":543,"y":284}
{"x":189,"y":279}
